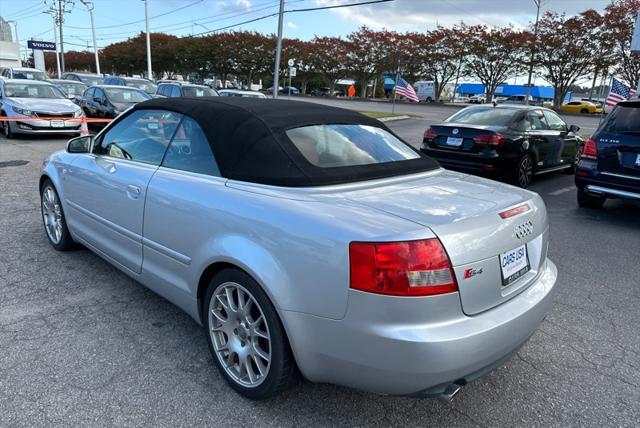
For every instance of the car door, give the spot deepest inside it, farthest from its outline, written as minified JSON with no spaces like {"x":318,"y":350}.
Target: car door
{"x":87,"y":103}
{"x":537,"y":133}
{"x":106,"y":189}
{"x":565,"y":143}
{"x":102,"y":105}
{"x":185,"y":188}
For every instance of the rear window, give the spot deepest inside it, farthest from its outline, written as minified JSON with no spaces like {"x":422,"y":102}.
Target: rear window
{"x":489,"y":116}
{"x":624,"y":118}
{"x":197,"y":91}
{"x":329,"y":146}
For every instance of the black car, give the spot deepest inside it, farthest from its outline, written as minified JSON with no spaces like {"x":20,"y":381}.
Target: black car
{"x":86,"y":78}
{"x":610,"y":162}
{"x":179,"y":89}
{"x":514,"y":142}
{"x":71,"y":88}
{"x":107,"y":102}
{"x":133,"y":82}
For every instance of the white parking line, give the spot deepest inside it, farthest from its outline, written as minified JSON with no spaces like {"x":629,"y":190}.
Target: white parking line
{"x":563,"y":190}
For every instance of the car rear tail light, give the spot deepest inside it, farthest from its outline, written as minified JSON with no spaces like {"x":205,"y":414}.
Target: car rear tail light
{"x":489,"y":139}
{"x":512,"y":212}
{"x":430,"y":134}
{"x":590,"y":151}
{"x":409,"y":268}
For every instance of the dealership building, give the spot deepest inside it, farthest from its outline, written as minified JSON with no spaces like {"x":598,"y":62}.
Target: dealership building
{"x":539,"y":93}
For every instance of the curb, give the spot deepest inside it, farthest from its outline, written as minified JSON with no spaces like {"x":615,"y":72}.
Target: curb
{"x":392,"y":118}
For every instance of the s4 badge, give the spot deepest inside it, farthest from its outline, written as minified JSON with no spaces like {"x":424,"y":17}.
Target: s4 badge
{"x":471,"y":272}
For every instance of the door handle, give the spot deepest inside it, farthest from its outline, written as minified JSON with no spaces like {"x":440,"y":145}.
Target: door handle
{"x":133,"y":191}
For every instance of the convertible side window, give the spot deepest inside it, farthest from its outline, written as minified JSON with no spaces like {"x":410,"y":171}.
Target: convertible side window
{"x":190,"y":150}
{"x":142,"y":136}
{"x":554,"y":121}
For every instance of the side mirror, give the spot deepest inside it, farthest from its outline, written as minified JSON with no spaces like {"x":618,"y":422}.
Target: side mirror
{"x":574,"y":128}
{"x":80,"y":144}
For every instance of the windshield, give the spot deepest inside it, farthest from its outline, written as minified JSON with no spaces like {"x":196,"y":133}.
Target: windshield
{"x":29,"y":75}
{"x":90,"y":80}
{"x":117,"y":95}
{"x":72,"y":89}
{"x":488,"y":116}
{"x":329,"y":146}
{"x":19,"y":90}
{"x":196,"y":91}
{"x":148,"y":87}
{"x":624,"y":118}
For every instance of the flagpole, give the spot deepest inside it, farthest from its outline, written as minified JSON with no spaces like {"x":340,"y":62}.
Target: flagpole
{"x":605,"y":100}
{"x":393,"y":107}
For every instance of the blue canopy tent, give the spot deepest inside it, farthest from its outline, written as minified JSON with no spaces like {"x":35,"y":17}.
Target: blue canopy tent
{"x":544,"y":93}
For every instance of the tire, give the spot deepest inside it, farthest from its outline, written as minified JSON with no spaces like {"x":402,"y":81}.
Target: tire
{"x":429,"y":100}
{"x":53,"y":219}
{"x":584,"y":110}
{"x":6,"y":128}
{"x":255,"y":332}
{"x":586,"y":200}
{"x":574,"y":165}
{"x":523,"y":173}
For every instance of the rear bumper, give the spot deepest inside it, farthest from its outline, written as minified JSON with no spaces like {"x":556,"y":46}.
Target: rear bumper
{"x":471,"y":162}
{"x":415,"y":346}
{"x":602,"y":183}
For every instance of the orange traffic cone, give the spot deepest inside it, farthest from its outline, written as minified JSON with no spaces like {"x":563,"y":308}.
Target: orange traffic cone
{"x":84,"y":129}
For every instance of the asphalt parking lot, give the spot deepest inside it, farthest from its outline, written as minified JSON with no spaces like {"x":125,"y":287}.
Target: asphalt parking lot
{"x":82,"y":344}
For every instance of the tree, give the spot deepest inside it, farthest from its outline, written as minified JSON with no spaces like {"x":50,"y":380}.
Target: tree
{"x":565,"y":50}
{"x":494,"y":54}
{"x":619,"y":21}
{"x":439,"y":54}
{"x":329,"y":58}
{"x":367,"y":51}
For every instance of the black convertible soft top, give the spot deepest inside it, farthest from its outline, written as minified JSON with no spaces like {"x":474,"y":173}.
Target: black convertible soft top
{"x":248,"y":139}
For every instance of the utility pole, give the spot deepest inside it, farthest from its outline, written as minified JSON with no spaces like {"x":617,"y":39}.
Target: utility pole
{"x":60,"y":21}
{"x":146,"y":24}
{"x":276,"y":70}
{"x":538,"y":3}
{"x":89,"y":5}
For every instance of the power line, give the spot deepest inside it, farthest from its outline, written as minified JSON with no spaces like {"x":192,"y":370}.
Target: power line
{"x":206,"y":20}
{"x":140,"y":20}
{"x":292,"y":11}
{"x":25,"y":11}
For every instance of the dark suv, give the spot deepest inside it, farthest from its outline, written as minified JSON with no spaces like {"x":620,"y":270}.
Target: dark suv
{"x":610,"y":163}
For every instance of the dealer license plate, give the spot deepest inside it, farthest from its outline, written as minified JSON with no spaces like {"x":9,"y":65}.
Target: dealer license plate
{"x":453,"y":141}
{"x":57,"y":123}
{"x":514,"y":264}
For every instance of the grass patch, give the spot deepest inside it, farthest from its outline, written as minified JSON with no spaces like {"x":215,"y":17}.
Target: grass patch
{"x":379,"y":114}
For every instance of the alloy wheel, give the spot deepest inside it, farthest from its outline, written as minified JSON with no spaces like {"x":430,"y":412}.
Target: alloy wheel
{"x":52,"y":214}
{"x":240,"y":334}
{"x":525,"y":171}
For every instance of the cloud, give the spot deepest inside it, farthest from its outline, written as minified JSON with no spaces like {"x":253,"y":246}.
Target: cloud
{"x":291,"y":25}
{"x":421,"y":15}
{"x":233,"y":5}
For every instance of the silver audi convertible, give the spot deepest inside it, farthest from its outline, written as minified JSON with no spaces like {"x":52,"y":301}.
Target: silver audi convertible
{"x":308,"y":239}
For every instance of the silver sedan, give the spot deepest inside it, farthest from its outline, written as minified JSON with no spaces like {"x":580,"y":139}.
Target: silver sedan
{"x":308,"y":239}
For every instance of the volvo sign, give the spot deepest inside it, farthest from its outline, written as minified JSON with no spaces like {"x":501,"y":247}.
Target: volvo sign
{"x":43,"y":46}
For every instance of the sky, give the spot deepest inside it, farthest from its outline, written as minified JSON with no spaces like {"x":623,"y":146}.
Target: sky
{"x":119,"y":19}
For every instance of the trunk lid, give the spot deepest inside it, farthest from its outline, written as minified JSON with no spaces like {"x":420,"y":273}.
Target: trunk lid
{"x":463,"y":211}
{"x":460,"y":137}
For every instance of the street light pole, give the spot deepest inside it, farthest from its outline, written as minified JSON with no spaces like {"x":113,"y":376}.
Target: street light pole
{"x":89,"y":5}
{"x":533,"y":49}
{"x":276,"y":69}
{"x":146,"y":24}
{"x":15,"y":27}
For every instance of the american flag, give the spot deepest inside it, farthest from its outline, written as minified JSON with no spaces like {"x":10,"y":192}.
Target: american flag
{"x":403,"y":88}
{"x":619,"y":92}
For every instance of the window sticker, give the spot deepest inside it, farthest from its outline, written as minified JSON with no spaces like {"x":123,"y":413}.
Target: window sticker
{"x":126,"y":96}
{"x":33,"y":92}
{"x":153,"y":125}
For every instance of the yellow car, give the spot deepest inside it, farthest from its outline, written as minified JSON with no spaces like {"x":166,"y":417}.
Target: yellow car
{"x":581,"y":107}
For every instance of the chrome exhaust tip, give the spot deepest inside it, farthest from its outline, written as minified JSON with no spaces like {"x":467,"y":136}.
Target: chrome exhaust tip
{"x":450,"y":392}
